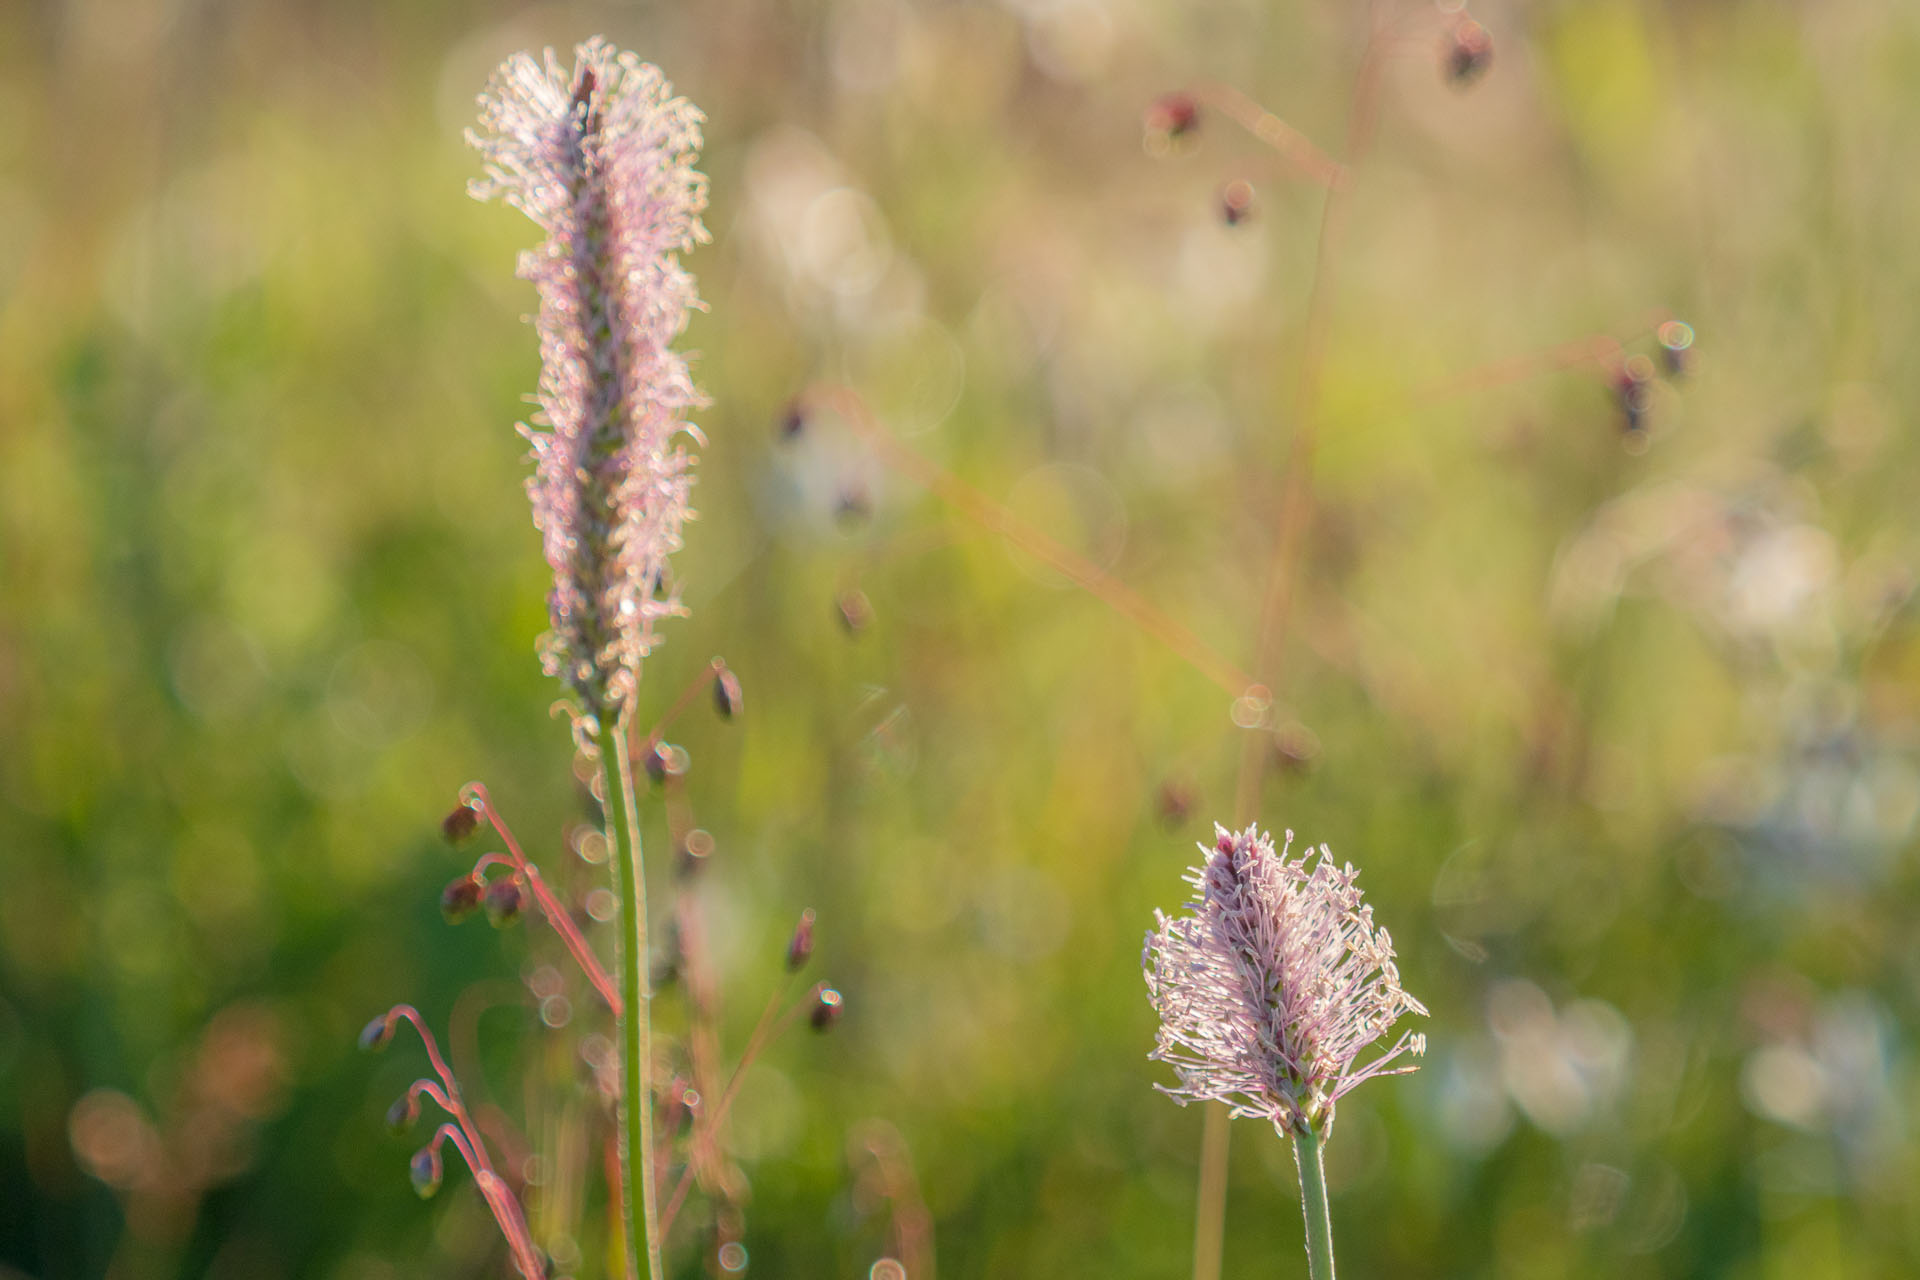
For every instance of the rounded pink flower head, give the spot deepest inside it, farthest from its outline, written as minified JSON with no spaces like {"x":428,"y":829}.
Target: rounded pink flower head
{"x":1273,"y":984}
{"x":601,"y":158}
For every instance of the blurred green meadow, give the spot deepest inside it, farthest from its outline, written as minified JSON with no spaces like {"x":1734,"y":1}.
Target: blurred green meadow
{"x":1623,"y":729}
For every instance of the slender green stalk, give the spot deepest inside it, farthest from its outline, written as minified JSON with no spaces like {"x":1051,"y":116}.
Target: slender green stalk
{"x":640,"y":1214}
{"x":1313,"y":1203}
{"x":1210,"y":1213}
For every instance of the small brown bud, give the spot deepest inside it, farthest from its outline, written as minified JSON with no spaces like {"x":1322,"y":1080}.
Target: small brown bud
{"x":800,"y":948}
{"x":1295,"y":748}
{"x":1236,"y":202}
{"x":853,"y":506}
{"x":793,"y":419}
{"x":460,"y":824}
{"x":695,"y":849}
{"x":826,"y":1008}
{"x":665,"y":970}
{"x":1633,"y":393}
{"x":727,"y":694}
{"x":460,"y":899}
{"x":424,"y":1171}
{"x":504,"y":900}
{"x":1676,"y":347}
{"x":666,"y":761}
{"x":1176,"y":802}
{"x":856,"y":613}
{"x":1173,"y":115}
{"x":377,"y":1034}
{"x":1469,"y":52}
{"x":401,"y":1115}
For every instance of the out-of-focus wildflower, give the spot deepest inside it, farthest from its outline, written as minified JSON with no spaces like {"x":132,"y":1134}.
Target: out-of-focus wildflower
{"x":602,"y":160}
{"x":1273,"y":984}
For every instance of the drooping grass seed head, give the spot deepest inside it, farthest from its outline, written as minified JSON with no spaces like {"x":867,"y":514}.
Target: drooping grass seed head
{"x":1236,"y":202}
{"x":728,"y":697}
{"x":424,"y":1171}
{"x":504,"y":900}
{"x":827,"y":1006}
{"x":800,"y":946}
{"x":1632,"y":386}
{"x":401,"y":1115}
{"x":1676,"y":347}
{"x":461,"y":898}
{"x":460,"y":824}
{"x":856,"y":611}
{"x":1169,"y":118}
{"x":695,"y":850}
{"x":601,"y":159}
{"x":1468,"y":52}
{"x":1272,"y":984}
{"x":377,"y":1035}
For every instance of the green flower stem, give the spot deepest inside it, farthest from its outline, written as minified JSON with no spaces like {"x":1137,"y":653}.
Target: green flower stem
{"x":1313,"y":1203}
{"x":636,"y":1029}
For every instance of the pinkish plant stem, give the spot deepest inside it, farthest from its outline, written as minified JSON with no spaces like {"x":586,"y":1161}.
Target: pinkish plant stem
{"x":995,"y":518}
{"x":465,"y":1136}
{"x":707,"y":1129}
{"x":556,"y":915}
{"x":636,"y":1029}
{"x":680,"y":704}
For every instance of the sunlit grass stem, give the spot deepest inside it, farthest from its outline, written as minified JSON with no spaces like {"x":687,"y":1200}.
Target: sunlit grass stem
{"x":636,"y":1021}
{"x":1307,"y":1148}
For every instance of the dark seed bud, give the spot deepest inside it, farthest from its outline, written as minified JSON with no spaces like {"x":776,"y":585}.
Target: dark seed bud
{"x":460,"y":899}
{"x":793,"y":419}
{"x":666,"y":761}
{"x":401,"y":1115}
{"x":1295,"y":747}
{"x":1469,"y":52}
{"x":826,"y":1008}
{"x":665,"y":970}
{"x":1176,"y":803}
{"x":377,"y":1034}
{"x":853,"y":507}
{"x":1236,"y":202}
{"x":1633,"y":392}
{"x":460,"y":824}
{"x":1676,"y":347}
{"x":424,"y":1171}
{"x":1173,"y":115}
{"x":727,"y":695}
{"x":695,"y":849}
{"x":856,"y":613}
{"x":505,"y":900}
{"x":800,"y":949}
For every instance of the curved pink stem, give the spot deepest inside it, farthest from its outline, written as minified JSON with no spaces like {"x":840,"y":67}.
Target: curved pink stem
{"x":556,"y":915}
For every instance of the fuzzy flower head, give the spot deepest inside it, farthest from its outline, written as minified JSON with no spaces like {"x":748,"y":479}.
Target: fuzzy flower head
{"x":601,"y":158}
{"x":1273,"y":984}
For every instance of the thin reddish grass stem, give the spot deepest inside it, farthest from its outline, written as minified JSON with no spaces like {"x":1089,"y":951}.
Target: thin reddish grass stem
{"x":1293,"y":147}
{"x":641,"y":746}
{"x":708,"y":1122}
{"x":995,"y":518}
{"x":556,"y":915}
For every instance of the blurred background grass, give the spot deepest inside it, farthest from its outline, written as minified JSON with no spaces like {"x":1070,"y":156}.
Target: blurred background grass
{"x":1623,"y":741}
